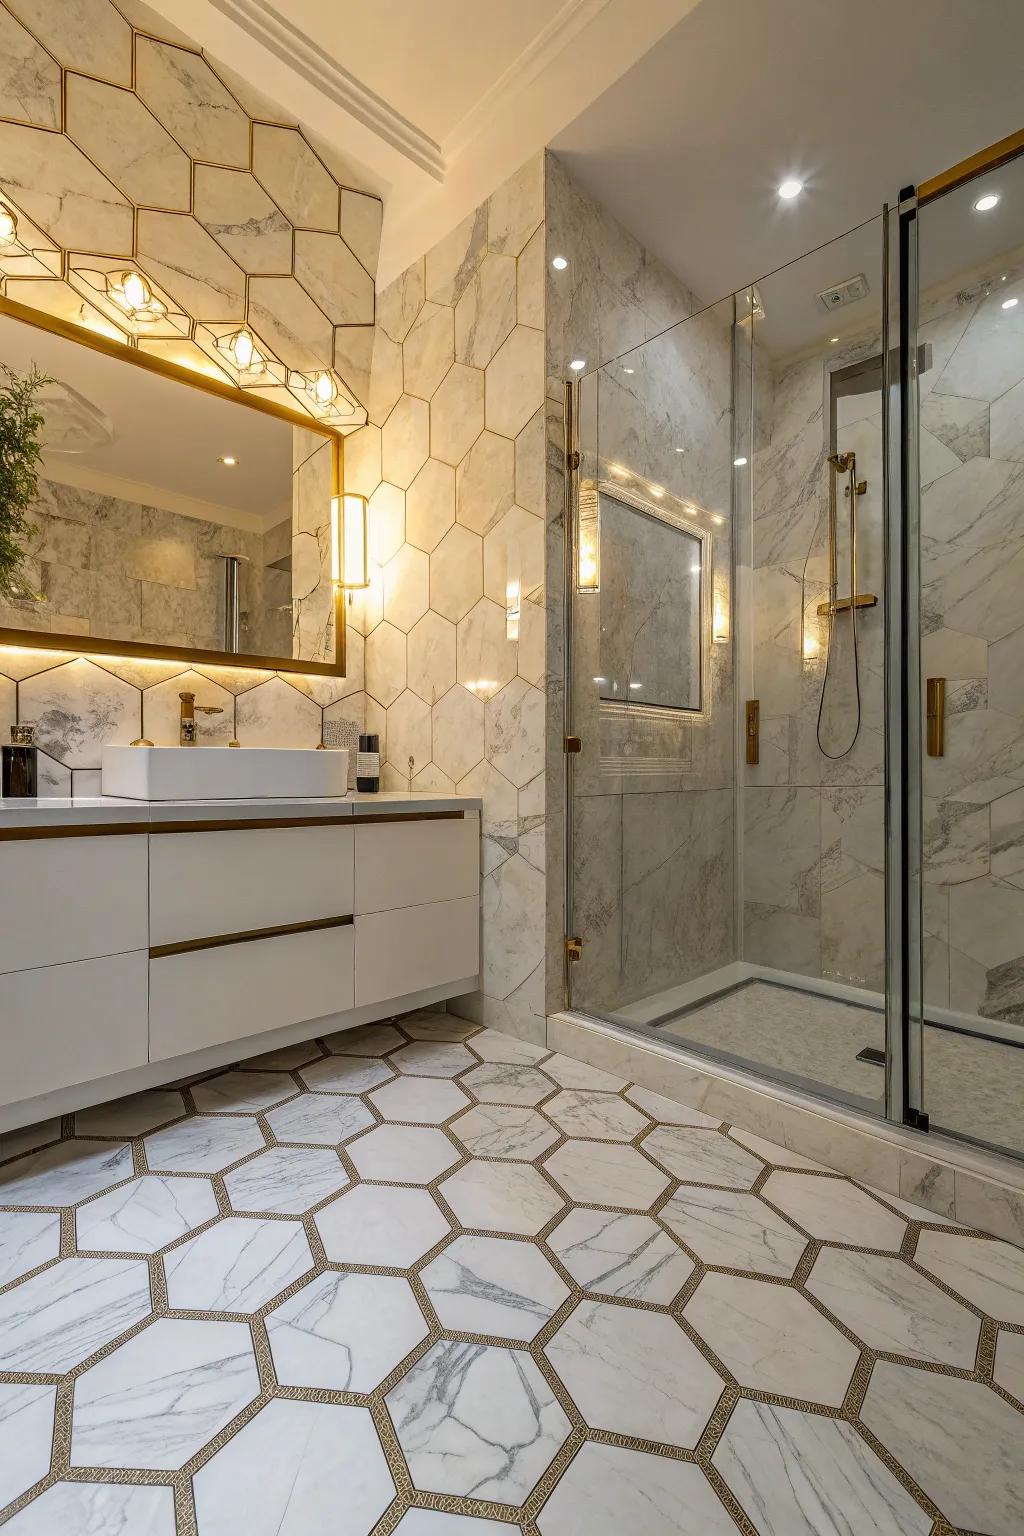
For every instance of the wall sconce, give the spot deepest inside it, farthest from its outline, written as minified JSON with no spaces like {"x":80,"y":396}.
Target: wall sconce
{"x":8,"y":228}
{"x":239,"y":348}
{"x":588,"y":540}
{"x":349,"y":563}
{"x":133,"y":296}
{"x":720,"y":620}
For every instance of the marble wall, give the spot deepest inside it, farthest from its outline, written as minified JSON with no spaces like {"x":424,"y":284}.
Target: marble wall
{"x":452,"y":462}
{"x":653,"y":800}
{"x":122,"y":145}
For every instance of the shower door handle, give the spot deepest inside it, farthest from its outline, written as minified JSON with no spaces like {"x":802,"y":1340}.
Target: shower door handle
{"x":752,"y":731}
{"x":935,"y":715}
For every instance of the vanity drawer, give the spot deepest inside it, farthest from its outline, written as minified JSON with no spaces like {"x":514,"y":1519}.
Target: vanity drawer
{"x":205,"y":996}
{"x":66,"y":1024}
{"x":71,"y":898}
{"x":203,"y":884}
{"x":405,"y":863}
{"x":416,"y":947}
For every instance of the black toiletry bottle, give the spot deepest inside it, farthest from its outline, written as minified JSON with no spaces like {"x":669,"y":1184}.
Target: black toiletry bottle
{"x":368,"y":765}
{"x":20,"y":764}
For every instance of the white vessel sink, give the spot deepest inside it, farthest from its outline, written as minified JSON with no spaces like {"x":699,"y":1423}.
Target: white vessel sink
{"x":223,"y":773}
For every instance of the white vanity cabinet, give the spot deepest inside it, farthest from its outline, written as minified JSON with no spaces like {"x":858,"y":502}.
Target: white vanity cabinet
{"x":133,"y":953}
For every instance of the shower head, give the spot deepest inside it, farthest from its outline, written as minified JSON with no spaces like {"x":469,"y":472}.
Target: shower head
{"x":842,"y":461}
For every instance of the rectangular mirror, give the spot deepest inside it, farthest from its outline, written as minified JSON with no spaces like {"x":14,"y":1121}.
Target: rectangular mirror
{"x":173,"y":518}
{"x":654,"y":585}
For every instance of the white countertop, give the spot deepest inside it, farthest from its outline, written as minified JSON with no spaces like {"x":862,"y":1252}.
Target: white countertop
{"x":90,"y":809}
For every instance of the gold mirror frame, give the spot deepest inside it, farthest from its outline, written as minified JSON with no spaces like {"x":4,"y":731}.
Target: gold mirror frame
{"x":88,"y":645}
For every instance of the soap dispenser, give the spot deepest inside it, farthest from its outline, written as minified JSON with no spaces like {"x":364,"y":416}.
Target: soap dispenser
{"x":19,"y":779}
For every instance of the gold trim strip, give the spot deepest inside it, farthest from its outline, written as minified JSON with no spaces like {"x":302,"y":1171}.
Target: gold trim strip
{"x":253,"y":935}
{"x":90,"y":645}
{"x":247,"y":824}
{"x":238,"y":824}
{"x":73,"y":829}
{"x":975,"y":165}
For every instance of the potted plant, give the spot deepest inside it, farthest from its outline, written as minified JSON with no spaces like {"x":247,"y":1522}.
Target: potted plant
{"x":20,"y":455}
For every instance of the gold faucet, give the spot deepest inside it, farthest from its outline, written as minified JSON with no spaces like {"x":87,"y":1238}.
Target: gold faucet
{"x":189,"y":709}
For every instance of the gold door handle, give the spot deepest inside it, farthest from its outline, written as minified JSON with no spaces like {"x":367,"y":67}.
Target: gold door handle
{"x":935,"y":709}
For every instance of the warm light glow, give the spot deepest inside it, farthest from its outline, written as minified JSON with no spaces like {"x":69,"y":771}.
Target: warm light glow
{"x":657,"y":492}
{"x":636,"y":685}
{"x":618,"y":471}
{"x":986,"y":202}
{"x":1009,"y":304}
{"x":241,"y":351}
{"x":588,"y":540}
{"x":8,"y":227}
{"x":324,"y":388}
{"x":578,"y":364}
{"x":629,"y":370}
{"x":349,"y":565}
{"x":790,"y":188}
{"x":680,"y":450}
{"x":228,"y":459}
{"x":133,"y":296}
{"x":720,"y":620}
{"x":513,"y":607}
{"x":559,"y":263}
{"x":811,"y":646}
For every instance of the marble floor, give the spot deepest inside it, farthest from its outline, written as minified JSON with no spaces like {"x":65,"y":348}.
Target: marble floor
{"x":428,"y":1279}
{"x":974,"y":1087}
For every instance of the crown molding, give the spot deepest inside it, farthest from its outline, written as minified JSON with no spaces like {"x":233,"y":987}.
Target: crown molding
{"x":291,"y":45}
{"x":561,"y":31}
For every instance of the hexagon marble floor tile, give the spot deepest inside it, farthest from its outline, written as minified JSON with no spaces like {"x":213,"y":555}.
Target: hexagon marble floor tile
{"x":420,"y":1278}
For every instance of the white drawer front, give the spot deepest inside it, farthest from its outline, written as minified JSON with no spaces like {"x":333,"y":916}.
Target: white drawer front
{"x":206,"y":996}
{"x":203,"y":884}
{"x":67,"y":1024}
{"x":406,"y":863}
{"x":71,"y":898}
{"x":416,"y":947}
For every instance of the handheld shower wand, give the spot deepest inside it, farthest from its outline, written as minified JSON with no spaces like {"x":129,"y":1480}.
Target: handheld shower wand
{"x":841,"y":464}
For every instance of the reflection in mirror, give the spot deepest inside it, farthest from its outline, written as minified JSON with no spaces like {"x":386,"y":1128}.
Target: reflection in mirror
{"x":166,"y":516}
{"x":652,"y":596}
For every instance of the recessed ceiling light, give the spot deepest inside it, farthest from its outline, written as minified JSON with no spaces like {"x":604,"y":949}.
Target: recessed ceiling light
{"x":228,"y":459}
{"x":559,"y":263}
{"x":578,"y":364}
{"x":1009,"y":304}
{"x":629,"y":370}
{"x":986,"y":202}
{"x":739,"y":463}
{"x":790,"y":188}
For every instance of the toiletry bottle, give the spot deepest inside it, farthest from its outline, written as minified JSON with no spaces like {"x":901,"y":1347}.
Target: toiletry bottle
{"x":20,"y":769}
{"x":368,"y":765}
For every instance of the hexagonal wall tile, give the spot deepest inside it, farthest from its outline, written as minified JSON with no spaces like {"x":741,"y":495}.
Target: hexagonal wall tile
{"x":333,"y":278}
{"x":772,"y":1339}
{"x":294,"y":176}
{"x":236,"y":211}
{"x":486,"y":312}
{"x":456,"y":413}
{"x":893,"y":1308}
{"x":429,"y":349}
{"x":408,"y":734}
{"x":515,"y":381}
{"x":286,"y":1180}
{"x":430,"y":505}
{"x":144,"y":1215}
{"x":458,"y":732}
{"x":236,"y":1266}
{"x":385,"y":664}
{"x":178,"y":1382}
{"x":514,"y":731}
{"x":501,"y":1197}
{"x":344,"y":1333}
{"x":97,"y":217}
{"x":127,"y":143}
{"x":385,"y":529}
{"x":604,"y":1173}
{"x":500,"y":1448}
{"x":403,"y":1154}
{"x":56,"y":1319}
{"x":485,"y":482}
{"x":493,"y":1285}
{"x":635,"y":1373}
{"x":406,"y":588}
{"x":618,"y":1255}
{"x":405,"y":441}
{"x":381,"y":1226}
{"x":275,"y":714}
{"x":456,"y":573}
{"x":177,"y":254}
{"x":183,"y":93}
{"x":432,"y":659}
{"x":78,"y":709}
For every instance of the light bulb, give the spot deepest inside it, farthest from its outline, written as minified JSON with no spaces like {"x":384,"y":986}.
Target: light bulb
{"x":578,"y":364}
{"x":324,"y":388}
{"x":243,"y":348}
{"x":790,"y":188}
{"x":559,"y":263}
{"x":8,"y":227}
{"x":132,"y":294}
{"x":739,"y":463}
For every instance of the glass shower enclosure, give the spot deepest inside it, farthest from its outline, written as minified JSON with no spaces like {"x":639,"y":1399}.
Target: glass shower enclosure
{"x":795,"y":821}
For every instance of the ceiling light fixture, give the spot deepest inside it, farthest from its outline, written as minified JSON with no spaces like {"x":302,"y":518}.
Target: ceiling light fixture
{"x":133,"y":296}
{"x":228,"y":459}
{"x":8,"y":227}
{"x":739,"y":463}
{"x":559,"y":263}
{"x":578,"y":364}
{"x":986,"y":202}
{"x":790,"y":188}
{"x":1009,"y":304}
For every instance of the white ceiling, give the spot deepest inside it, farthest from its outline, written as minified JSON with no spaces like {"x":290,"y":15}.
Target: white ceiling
{"x":154,"y":420}
{"x":688,"y":146}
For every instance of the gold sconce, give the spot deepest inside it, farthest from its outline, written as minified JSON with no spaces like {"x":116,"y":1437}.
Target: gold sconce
{"x":720,"y":619}
{"x":239,"y":349}
{"x":349,"y":561}
{"x":319,"y":392}
{"x":588,"y":540}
